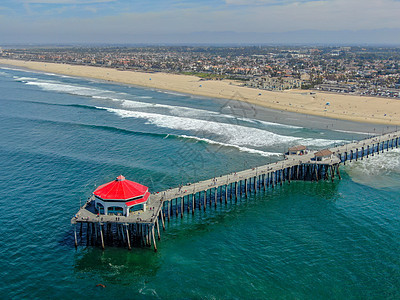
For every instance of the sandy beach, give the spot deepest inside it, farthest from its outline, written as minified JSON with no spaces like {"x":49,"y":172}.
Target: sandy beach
{"x":346,"y":107}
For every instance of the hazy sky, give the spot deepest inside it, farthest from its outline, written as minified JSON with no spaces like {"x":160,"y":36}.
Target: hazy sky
{"x":135,"y":21}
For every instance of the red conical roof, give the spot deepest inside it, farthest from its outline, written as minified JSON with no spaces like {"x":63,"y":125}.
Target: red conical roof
{"x":120,"y":189}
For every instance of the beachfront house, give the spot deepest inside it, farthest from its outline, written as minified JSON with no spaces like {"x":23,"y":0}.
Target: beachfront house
{"x":323,"y":155}
{"x":121,"y":197}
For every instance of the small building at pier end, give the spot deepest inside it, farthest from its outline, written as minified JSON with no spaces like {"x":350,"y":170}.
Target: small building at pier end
{"x":121,"y":197}
{"x":323,"y":155}
{"x":297,"y":150}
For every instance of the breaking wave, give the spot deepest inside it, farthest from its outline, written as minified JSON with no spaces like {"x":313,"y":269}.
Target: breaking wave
{"x":378,"y":171}
{"x":66,"y":88}
{"x":354,"y":132}
{"x":231,"y":133}
{"x":244,"y":149}
{"x":385,"y":163}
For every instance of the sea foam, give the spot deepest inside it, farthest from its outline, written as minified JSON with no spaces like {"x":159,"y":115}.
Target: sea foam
{"x":244,"y":149}
{"x":385,"y":163}
{"x":66,"y":88}
{"x":230,"y":133}
{"x":379,"y":171}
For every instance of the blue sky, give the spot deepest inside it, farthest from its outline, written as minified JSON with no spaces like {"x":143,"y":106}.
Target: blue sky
{"x":123,"y":21}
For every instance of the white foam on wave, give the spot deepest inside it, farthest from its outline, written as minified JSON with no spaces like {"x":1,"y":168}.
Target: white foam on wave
{"x":175,"y":110}
{"x":79,"y":90}
{"x":269,"y":124}
{"x":14,"y":69}
{"x":66,"y":88}
{"x":380,"y":164}
{"x":378,"y":171}
{"x":171,"y":93}
{"x":24,"y":79}
{"x":196,"y":112}
{"x":59,"y":75}
{"x":232,"y":134}
{"x":125,"y":103}
{"x":244,"y":149}
{"x":37,"y":72}
{"x":57,"y":86}
{"x":134,"y":104}
{"x":355,"y":132}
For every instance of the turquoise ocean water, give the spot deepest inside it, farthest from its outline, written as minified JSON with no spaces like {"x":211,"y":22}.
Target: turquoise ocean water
{"x":60,"y":137}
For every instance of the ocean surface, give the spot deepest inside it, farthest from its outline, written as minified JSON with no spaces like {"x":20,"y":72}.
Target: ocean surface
{"x":60,"y":137}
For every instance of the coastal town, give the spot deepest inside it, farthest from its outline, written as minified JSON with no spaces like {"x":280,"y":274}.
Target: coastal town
{"x":368,"y":71}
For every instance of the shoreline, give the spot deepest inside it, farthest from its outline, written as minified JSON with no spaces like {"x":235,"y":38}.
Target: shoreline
{"x":363,"y":109}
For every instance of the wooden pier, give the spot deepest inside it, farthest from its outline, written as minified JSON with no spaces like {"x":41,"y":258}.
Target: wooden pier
{"x":140,"y":229}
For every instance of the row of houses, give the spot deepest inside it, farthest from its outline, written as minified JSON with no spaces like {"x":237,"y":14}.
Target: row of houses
{"x":337,"y":88}
{"x":275,"y":83}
